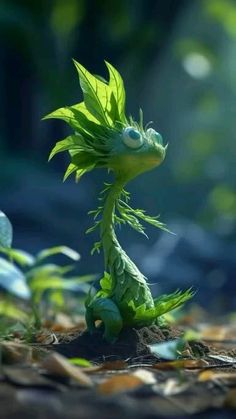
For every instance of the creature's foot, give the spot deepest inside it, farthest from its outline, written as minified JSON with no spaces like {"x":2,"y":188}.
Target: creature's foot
{"x":106,"y":310}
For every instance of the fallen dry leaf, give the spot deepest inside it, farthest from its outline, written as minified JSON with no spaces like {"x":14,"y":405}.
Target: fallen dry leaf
{"x":124,"y":382}
{"x":113,"y":365}
{"x":57,"y":364}
{"x":119,"y":383}
{"x":226,"y":377}
{"x":14,"y":353}
{"x":181,"y":363}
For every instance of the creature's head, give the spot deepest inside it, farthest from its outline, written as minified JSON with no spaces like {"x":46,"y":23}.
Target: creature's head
{"x":136,"y":150}
{"x":103,"y":136}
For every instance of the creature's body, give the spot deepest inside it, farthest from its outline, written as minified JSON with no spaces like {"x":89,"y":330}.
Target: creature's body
{"x":105,"y":138}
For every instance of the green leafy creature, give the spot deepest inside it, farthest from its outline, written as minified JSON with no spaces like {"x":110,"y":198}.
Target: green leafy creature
{"x":105,"y":138}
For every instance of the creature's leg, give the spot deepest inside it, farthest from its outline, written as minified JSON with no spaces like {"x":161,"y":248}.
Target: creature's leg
{"x":106,"y":310}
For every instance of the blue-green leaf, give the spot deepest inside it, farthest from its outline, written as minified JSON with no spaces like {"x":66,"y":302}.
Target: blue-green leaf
{"x":13,"y":280}
{"x":170,"y":350}
{"x":6,"y":232}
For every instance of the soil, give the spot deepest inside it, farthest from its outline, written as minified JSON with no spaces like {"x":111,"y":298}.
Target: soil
{"x":132,"y":343}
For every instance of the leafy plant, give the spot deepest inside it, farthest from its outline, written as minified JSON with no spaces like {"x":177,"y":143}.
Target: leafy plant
{"x":32,"y":278}
{"x":105,"y":138}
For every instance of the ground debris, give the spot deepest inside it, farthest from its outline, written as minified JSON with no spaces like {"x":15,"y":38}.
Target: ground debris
{"x":132,"y":383}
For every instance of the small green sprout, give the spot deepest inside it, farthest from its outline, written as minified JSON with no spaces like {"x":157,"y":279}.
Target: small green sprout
{"x":103,"y":137}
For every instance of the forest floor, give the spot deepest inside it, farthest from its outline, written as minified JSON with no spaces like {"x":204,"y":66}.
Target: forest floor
{"x":148,"y":373}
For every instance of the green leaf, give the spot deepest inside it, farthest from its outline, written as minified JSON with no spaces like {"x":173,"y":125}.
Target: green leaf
{"x":57,"y":299}
{"x":81,"y":172}
{"x":64,"y":250}
{"x":66,"y":115}
{"x":81,"y":108}
{"x":47,"y":270}
{"x":96,"y":247}
{"x":130,"y":216}
{"x":60,"y":283}
{"x":73,"y":142}
{"x":80,"y":362}
{"x":70,"y":169}
{"x":6,"y":232}
{"x":152,"y":220}
{"x":84,"y":117}
{"x":97,"y":95}
{"x":117,"y":86}
{"x":8,"y":309}
{"x":106,"y":283}
{"x":19,"y":256}
{"x":13,"y":280}
{"x":84,"y":160}
{"x":166,"y":303}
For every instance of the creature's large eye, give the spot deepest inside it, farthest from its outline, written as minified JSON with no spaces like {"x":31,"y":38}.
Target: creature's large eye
{"x":154,"y":135}
{"x":132,"y":137}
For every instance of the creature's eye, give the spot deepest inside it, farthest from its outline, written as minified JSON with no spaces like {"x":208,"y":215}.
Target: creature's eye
{"x":154,"y":135}
{"x":132,"y":137}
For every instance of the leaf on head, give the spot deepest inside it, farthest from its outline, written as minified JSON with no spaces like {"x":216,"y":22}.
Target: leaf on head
{"x":95,"y":121}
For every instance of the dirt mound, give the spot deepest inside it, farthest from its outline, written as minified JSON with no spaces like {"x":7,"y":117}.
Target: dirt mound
{"x":132,"y":343}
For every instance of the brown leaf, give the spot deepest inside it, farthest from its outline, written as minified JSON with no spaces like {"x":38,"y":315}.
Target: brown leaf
{"x":119,"y":383}
{"x":226,"y":377}
{"x":113,"y":365}
{"x":14,"y":353}
{"x":124,"y":382}
{"x":181,"y":363}
{"x":57,"y":364}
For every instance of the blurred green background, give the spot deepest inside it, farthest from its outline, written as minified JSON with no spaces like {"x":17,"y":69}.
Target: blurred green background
{"x":177,"y":59}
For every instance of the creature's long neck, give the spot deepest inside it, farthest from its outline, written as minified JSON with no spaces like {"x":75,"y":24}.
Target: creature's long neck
{"x":108,"y":237}
{"x":127,"y":281}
